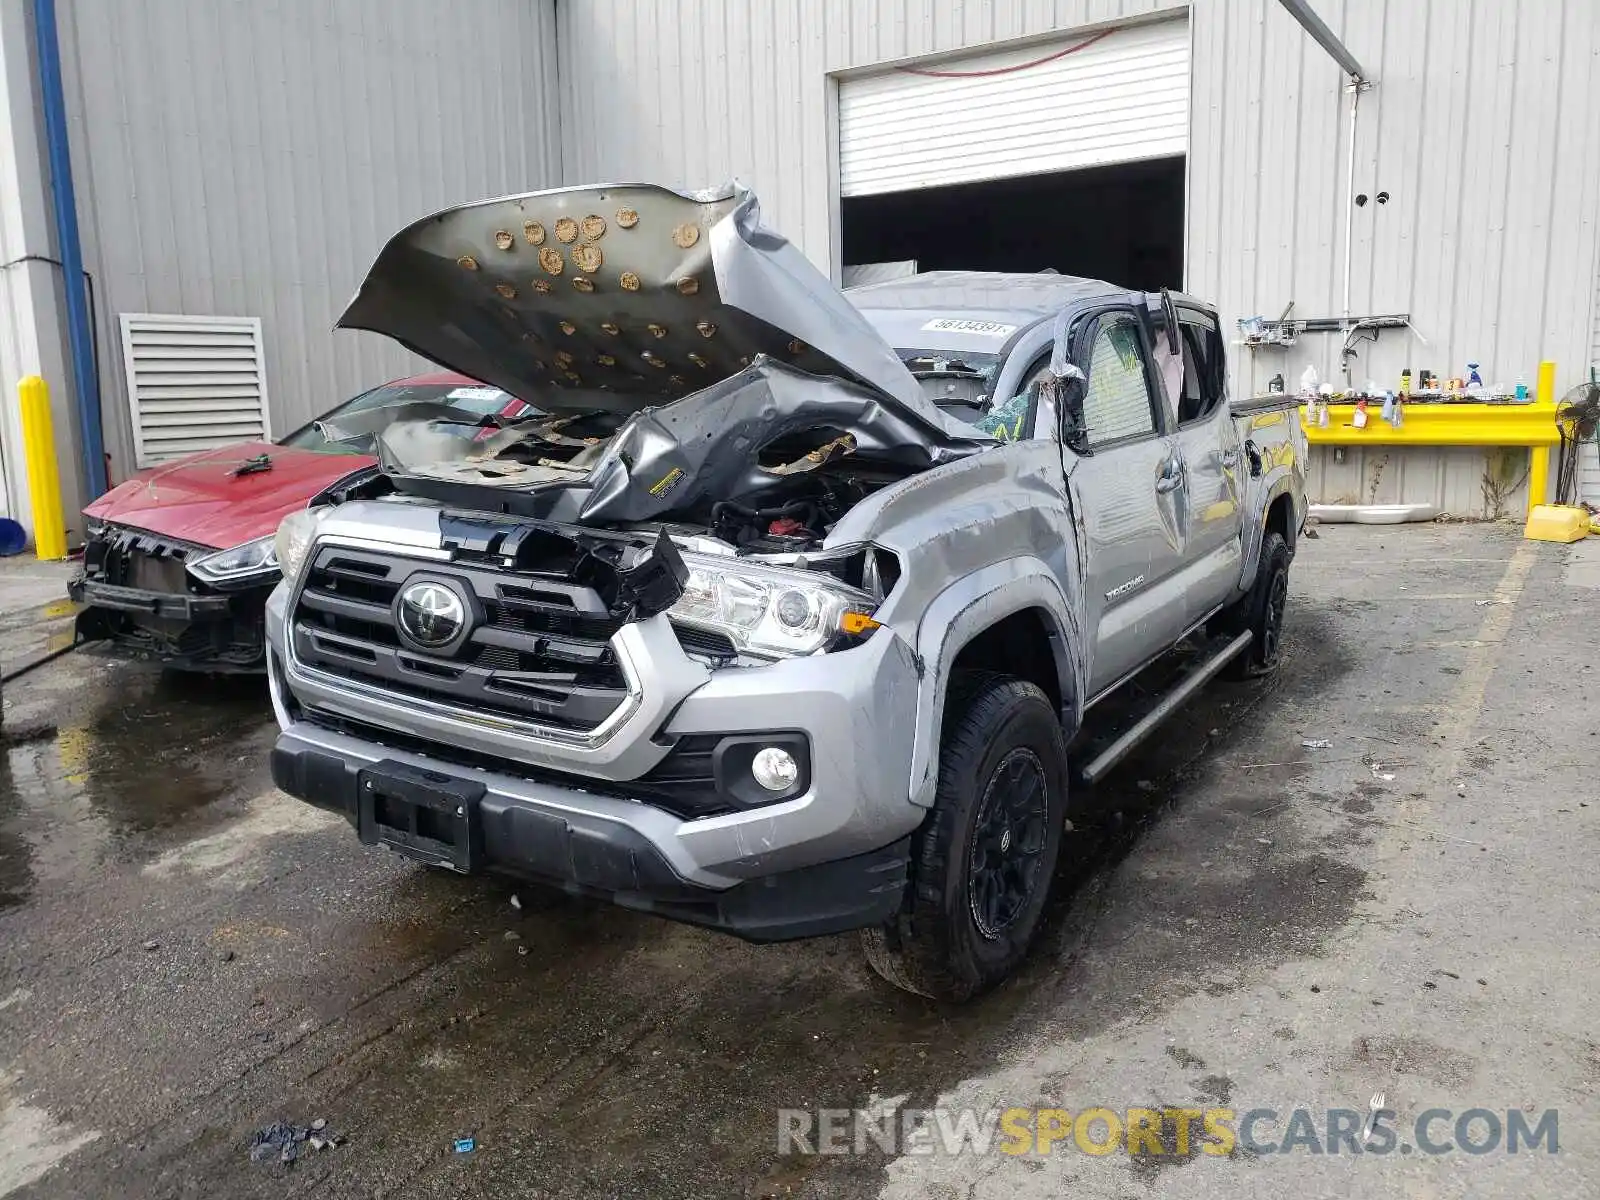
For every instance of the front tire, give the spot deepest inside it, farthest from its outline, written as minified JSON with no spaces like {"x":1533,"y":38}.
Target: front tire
{"x":983,"y":860}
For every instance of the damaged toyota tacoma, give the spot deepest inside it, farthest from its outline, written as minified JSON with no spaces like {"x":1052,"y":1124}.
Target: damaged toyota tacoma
{"x":781,"y":615}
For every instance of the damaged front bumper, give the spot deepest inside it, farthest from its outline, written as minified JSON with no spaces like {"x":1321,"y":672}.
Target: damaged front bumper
{"x":222,"y":633}
{"x":616,"y":813}
{"x":476,"y":820}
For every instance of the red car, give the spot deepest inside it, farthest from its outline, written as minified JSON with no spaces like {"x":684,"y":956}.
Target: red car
{"x":179,"y":560}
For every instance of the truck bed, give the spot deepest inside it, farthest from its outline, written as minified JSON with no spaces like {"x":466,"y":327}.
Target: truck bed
{"x":1267,"y":402}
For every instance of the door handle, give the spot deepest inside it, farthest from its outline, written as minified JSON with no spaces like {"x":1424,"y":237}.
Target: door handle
{"x":1171,"y":477}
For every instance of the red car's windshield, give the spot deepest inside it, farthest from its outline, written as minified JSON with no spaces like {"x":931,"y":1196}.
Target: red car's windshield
{"x":473,"y":401}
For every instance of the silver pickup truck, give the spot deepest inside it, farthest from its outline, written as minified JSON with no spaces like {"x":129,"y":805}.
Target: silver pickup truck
{"x":782,"y":614}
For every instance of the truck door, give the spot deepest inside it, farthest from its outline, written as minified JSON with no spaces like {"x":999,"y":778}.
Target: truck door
{"x":1128,"y":491}
{"x":1209,"y":445}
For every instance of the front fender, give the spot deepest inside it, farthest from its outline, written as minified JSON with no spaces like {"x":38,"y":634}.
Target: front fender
{"x":960,"y":613}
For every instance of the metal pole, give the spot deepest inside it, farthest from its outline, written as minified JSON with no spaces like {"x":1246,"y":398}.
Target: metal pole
{"x":1326,"y":38}
{"x":80,"y":333}
{"x":1539,"y":456}
{"x":1350,"y":199}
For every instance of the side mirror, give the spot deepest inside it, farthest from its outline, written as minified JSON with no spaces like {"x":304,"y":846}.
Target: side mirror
{"x":1067,"y":391}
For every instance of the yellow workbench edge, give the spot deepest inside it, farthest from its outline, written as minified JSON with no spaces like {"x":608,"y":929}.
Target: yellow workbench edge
{"x":1440,"y":425}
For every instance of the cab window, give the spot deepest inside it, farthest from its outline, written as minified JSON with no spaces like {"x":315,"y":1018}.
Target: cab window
{"x":1016,"y":419}
{"x":1117,"y":403}
{"x":1205,"y":382}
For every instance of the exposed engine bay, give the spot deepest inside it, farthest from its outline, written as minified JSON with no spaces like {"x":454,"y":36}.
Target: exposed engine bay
{"x":766,"y":461}
{"x":691,"y":368}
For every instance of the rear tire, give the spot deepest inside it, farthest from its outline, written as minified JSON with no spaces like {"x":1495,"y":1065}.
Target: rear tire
{"x":983,"y":860}
{"x":1260,"y":611}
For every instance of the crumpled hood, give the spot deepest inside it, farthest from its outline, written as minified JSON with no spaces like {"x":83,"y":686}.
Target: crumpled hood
{"x":619,"y":298}
{"x":201,"y":499}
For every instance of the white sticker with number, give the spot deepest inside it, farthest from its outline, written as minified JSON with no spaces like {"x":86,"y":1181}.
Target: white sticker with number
{"x":475,"y":393}
{"x":994,"y":329}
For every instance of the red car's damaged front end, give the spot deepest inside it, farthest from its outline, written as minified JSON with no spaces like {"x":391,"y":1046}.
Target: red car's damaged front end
{"x":179,"y":560}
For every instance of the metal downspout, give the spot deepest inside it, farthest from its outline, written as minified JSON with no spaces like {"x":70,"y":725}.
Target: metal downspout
{"x":80,"y":333}
{"x":1355,"y":87}
{"x":1348,"y":323}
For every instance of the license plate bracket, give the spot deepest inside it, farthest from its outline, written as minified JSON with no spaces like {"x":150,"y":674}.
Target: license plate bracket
{"x":424,"y":814}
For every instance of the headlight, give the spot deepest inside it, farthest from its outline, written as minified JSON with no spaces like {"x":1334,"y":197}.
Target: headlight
{"x":769,"y":612}
{"x":250,"y":558}
{"x":293,"y":539}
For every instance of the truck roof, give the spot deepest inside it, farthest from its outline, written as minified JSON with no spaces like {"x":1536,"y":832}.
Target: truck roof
{"x":981,"y":310}
{"x":1022,"y":298}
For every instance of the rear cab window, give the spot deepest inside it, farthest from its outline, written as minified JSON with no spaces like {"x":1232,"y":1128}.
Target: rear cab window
{"x":1205,"y":379}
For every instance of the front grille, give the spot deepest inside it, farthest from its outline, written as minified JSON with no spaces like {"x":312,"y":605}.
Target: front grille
{"x":539,"y":648}
{"x":134,"y":558}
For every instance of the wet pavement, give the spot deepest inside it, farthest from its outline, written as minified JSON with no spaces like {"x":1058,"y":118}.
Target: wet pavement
{"x":187,"y":957}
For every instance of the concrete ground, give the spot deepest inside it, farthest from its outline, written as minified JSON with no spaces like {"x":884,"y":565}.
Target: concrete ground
{"x":187,"y":957}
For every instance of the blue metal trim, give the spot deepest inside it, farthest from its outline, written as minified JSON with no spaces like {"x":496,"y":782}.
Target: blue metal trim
{"x":80,"y":332}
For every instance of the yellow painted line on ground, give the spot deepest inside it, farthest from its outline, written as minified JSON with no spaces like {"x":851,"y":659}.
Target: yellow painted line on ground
{"x":1406,"y":645}
{"x":1459,"y":716}
{"x":1406,"y":597}
{"x":1339,"y":564}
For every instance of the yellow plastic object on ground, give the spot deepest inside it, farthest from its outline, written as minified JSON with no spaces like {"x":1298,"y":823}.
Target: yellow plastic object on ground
{"x":1557,"y":523}
{"x":44,"y":481}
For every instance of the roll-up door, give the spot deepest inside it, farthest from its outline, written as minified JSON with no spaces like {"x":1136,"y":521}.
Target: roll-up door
{"x":1082,"y":101}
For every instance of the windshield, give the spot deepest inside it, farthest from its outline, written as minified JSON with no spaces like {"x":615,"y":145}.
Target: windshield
{"x":352,"y":428}
{"x":960,"y":382}
{"x":947,"y":363}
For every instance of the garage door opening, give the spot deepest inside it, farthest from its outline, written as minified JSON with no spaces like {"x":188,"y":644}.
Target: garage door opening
{"x":1122,"y":223}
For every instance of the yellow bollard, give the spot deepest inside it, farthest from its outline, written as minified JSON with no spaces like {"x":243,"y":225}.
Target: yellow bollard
{"x":1538,"y":476}
{"x":1544,"y":393}
{"x":44,"y":481}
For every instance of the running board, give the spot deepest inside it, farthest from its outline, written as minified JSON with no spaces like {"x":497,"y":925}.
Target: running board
{"x":1165,"y":707}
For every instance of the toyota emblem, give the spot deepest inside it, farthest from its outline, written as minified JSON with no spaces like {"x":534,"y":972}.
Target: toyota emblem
{"x":431,"y":615}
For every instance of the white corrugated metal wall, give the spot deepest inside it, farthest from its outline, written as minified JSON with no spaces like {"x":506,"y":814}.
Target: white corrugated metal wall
{"x":1487,"y":240}
{"x":691,"y":92}
{"x":249,"y":159}
{"x":1590,"y":458}
{"x":1481,"y":130}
